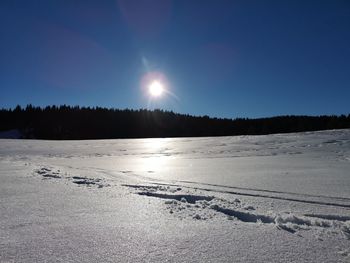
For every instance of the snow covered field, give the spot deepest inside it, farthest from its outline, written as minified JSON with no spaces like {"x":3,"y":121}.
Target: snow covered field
{"x":275,"y":198}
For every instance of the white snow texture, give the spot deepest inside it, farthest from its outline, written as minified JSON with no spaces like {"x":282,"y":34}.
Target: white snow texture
{"x":274,"y":198}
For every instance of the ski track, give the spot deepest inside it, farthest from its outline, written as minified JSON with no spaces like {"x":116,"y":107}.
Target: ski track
{"x":271,"y":196}
{"x":267,"y":191}
{"x":50,"y":173}
{"x":203,"y":207}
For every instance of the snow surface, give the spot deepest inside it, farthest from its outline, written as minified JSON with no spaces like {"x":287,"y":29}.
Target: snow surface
{"x":274,"y":198}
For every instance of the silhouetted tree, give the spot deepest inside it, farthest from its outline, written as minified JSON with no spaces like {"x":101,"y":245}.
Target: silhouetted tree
{"x":67,"y":122}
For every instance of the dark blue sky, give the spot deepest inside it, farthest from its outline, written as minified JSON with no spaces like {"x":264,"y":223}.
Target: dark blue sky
{"x":220,"y":58}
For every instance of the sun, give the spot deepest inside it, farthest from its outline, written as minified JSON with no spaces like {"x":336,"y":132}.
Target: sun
{"x":156,"y":88}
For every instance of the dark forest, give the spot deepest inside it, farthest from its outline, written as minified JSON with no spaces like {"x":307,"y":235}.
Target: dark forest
{"x":68,"y":123}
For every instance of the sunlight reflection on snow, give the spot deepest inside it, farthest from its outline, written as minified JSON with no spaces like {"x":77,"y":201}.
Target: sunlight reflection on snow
{"x":155,"y":145}
{"x":154,"y":164}
{"x":156,"y":159}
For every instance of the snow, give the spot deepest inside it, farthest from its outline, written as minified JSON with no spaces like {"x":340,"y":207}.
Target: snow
{"x":274,"y":198}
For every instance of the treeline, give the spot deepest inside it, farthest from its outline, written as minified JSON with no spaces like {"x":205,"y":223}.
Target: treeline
{"x":67,"y":122}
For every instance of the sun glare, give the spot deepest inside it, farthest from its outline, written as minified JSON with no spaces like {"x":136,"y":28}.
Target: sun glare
{"x":156,"y":88}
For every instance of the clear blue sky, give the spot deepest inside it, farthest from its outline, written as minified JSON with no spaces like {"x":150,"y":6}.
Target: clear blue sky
{"x":221,"y":58}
